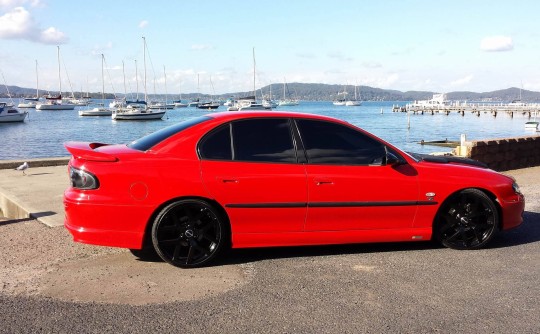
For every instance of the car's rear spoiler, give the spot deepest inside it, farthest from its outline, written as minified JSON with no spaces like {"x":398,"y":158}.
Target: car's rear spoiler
{"x":86,"y":151}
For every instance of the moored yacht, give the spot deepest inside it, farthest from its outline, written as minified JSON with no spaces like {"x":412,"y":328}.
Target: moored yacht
{"x":10,"y":114}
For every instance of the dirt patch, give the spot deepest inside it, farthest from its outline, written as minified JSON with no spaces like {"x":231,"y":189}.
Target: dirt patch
{"x":41,"y":261}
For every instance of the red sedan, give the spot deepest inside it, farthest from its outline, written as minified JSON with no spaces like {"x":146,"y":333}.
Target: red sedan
{"x":262,"y":179}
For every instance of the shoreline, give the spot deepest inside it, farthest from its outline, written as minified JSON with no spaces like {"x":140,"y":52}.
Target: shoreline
{"x":37,"y":162}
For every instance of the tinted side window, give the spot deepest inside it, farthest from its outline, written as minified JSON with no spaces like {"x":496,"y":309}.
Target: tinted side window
{"x":331,"y":143}
{"x":217,"y":144}
{"x":147,"y":142}
{"x":267,"y":140}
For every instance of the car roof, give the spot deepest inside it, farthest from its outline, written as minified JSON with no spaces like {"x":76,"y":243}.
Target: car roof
{"x":233,"y":115}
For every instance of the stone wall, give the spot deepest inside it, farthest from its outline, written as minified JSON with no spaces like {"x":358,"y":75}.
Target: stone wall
{"x":504,"y":154}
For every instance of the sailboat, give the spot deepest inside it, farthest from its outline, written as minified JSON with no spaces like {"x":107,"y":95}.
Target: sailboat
{"x":249,"y":102}
{"x":161,"y":105}
{"x":98,"y":111}
{"x":269,"y":102}
{"x":195,"y":102}
{"x":31,"y":102}
{"x":209,"y":105}
{"x":9,"y":113}
{"x":141,"y":112}
{"x":340,"y":101}
{"x":287,"y":101}
{"x":355,"y":102}
{"x":55,"y":103}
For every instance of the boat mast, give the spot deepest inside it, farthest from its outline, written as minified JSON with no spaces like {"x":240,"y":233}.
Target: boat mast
{"x":144,"y":59}
{"x":59,"y":75}
{"x":37,"y":82}
{"x":102,"y":80}
{"x":254,"y":91}
{"x":165,"y":78}
{"x":124,"y":74}
{"x":137,"y":78}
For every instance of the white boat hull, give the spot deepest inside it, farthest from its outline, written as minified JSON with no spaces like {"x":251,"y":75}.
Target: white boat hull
{"x":180,"y":105}
{"x":96,"y":112}
{"x":13,"y":117}
{"x":55,"y":107}
{"x":138,"y":115}
{"x":353,"y":103}
{"x":531,"y":125}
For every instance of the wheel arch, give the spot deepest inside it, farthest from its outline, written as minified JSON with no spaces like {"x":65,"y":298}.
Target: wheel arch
{"x":488,"y":193}
{"x":147,"y":238}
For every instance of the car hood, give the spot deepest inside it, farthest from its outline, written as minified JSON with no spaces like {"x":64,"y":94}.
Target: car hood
{"x":448,"y":160}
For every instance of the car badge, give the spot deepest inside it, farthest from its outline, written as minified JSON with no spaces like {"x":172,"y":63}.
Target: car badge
{"x":430,"y":196}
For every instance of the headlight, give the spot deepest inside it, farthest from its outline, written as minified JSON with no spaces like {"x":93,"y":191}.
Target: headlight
{"x":516,"y":188}
{"x":81,"y":179}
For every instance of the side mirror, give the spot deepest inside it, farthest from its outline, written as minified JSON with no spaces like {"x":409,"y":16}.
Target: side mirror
{"x":393,"y":160}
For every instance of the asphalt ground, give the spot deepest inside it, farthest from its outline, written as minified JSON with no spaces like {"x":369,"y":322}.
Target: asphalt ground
{"x":51,"y":285}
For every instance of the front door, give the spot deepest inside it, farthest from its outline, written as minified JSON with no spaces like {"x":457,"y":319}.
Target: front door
{"x":350,"y":187}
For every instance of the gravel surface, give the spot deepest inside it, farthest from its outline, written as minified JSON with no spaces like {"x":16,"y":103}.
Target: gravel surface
{"x":50,"y":284}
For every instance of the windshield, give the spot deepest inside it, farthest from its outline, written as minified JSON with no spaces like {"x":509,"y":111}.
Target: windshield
{"x":147,"y":142}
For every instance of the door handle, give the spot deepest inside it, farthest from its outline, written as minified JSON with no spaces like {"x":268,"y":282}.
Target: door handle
{"x":227,"y":180}
{"x":321,"y":182}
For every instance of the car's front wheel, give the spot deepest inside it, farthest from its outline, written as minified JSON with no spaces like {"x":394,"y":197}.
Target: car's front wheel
{"x":188,"y":233}
{"x":467,"y":220}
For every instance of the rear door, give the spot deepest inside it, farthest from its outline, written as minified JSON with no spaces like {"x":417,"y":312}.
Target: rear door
{"x":250,"y":167}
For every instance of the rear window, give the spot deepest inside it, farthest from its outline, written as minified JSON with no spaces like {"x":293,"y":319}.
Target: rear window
{"x":147,"y":142}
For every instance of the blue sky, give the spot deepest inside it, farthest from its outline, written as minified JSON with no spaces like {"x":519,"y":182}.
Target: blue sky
{"x":405,"y":45}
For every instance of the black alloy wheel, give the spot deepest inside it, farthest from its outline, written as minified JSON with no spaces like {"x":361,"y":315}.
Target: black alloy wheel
{"x":188,"y":233}
{"x":468,"y":220}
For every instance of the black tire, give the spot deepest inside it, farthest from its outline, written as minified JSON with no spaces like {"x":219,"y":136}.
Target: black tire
{"x":467,"y":220}
{"x":189,"y":233}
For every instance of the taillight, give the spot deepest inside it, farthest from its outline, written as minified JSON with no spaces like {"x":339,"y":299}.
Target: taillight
{"x":82,"y":179}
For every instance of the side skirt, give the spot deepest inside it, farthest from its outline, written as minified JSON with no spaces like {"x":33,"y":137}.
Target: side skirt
{"x":249,"y":240}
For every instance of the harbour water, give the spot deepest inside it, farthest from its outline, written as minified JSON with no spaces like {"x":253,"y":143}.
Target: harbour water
{"x":44,"y":132}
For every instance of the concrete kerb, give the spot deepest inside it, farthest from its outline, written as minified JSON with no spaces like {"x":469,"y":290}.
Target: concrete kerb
{"x":44,"y":201}
{"x":44,"y":162}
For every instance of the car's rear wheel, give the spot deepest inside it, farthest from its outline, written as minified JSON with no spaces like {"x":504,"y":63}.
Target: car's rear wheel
{"x":467,"y":220}
{"x":188,"y":233}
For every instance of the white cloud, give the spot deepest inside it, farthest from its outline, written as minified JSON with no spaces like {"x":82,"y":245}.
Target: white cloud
{"x":19,"y":24}
{"x":497,"y":43}
{"x":52,"y":36}
{"x":462,"y":81}
{"x":143,"y":24}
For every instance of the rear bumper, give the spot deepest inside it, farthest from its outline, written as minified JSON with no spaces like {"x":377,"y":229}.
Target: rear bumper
{"x":103,"y":224}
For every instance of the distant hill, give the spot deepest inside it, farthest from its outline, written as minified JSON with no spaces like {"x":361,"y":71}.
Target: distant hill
{"x":324,"y":92}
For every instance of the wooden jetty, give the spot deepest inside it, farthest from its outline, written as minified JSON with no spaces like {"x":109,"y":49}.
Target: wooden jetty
{"x":528,"y":110}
